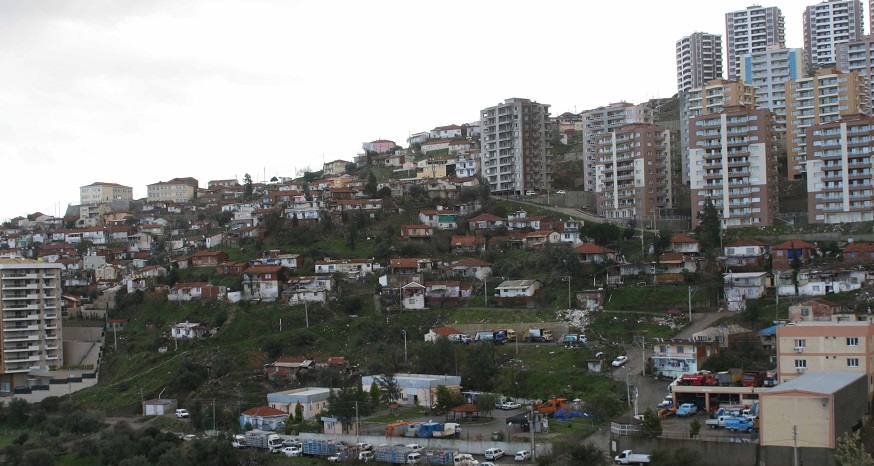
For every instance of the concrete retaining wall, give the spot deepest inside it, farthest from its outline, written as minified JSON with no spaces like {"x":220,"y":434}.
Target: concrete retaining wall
{"x":73,"y":333}
{"x":730,"y":454}
{"x":474,"y":447}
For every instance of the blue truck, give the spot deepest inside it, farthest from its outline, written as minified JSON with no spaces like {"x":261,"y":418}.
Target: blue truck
{"x":740,"y":423}
{"x":498,"y":337}
{"x":686,"y":409}
{"x":433,"y":430}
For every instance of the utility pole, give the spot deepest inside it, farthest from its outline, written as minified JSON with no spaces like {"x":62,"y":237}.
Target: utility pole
{"x":357,"y":424}
{"x":627,"y":390}
{"x":641,"y":341}
{"x":405,"y":345}
{"x":306,"y":313}
{"x":569,"y":292}
{"x":795,"y":445}
{"x":486,"y":290}
{"x":531,"y":429}
{"x":690,"y":304}
{"x":213,"y":416}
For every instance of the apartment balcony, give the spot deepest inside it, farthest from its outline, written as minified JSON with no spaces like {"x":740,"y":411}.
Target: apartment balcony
{"x":20,"y":296}
{"x":21,"y":328}
{"x":20,"y":317}
{"x":17,"y":368}
{"x":52,"y":357}
{"x":19,"y":348}
{"x":17,"y":337}
{"x":51,"y":336}
{"x":51,"y":346}
{"x":18,"y":276}
{"x":21,"y":307}
{"x":20,"y":359}
{"x":21,"y":286}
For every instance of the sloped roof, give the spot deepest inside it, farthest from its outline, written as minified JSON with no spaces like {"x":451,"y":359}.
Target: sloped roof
{"x":592,"y":248}
{"x":794,"y":244}
{"x":824,"y":382}
{"x":683,"y":238}
{"x":470,"y":263}
{"x":264,"y":411}
{"x":405,"y":262}
{"x":859,"y":247}
{"x":745,"y":242}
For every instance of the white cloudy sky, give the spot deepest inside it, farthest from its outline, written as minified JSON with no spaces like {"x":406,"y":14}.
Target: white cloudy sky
{"x":135,"y":92}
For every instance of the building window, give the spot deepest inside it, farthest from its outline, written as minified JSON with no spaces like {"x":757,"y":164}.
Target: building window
{"x":800,"y":343}
{"x":852,"y":362}
{"x":679,"y":349}
{"x":801,"y":364}
{"x":853,"y":341}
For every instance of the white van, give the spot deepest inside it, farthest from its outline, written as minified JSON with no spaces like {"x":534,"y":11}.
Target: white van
{"x":494,"y":453}
{"x":365,"y":456}
{"x":414,"y":458}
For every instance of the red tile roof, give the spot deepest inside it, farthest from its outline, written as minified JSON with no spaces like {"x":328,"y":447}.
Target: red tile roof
{"x":471,"y":263}
{"x":859,"y":247}
{"x":405,"y":263}
{"x":264,"y":411}
{"x":592,"y":248}
{"x":746,"y":242}
{"x":683,"y":238}
{"x":794,"y":244}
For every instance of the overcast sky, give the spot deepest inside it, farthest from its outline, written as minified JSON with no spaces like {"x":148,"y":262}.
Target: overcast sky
{"x":136,"y":92}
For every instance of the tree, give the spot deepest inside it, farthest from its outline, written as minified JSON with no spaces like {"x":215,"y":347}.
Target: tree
{"x":652,"y":425}
{"x":39,"y":457}
{"x":375,"y":395}
{"x":247,"y":186}
{"x":19,"y":411}
{"x":694,"y":428}
{"x":390,"y":390}
{"x":709,"y":229}
{"x":384,"y":192}
{"x":486,"y":403}
{"x":447,"y":399}
{"x":298,"y":413}
{"x":371,"y":187}
{"x":850,"y":451}
{"x":481,"y":366}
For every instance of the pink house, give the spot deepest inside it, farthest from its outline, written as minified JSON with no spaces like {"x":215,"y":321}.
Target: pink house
{"x":379,"y":146}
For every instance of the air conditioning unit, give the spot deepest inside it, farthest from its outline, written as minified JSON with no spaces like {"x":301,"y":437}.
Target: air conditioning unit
{"x":799,"y":349}
{"x":800,"y":369}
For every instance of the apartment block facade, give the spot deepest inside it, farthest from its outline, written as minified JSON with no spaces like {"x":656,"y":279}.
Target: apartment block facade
{"x":814,"y":346}
{"x":733,"y":164}
{"x":839,"y":171}
{"x":98,"y":192}
{"x":516,"y":148}
{"x":602,"y":120}
{"x":769,"y":70}
{"x":713,"y":97}
{"x":858,"y":56}
{"x":172,"y":191}
{"x":634,"y":171}
{"x":31,"y":324}
{"x":751,"y":31}
{"x":821,"y":98}
{"x":827,"y":25}
{"x":699,"y":60}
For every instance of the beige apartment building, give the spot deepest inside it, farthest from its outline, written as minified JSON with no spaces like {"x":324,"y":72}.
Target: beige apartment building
{"x":733,"y":164}
{"x":822,"y":98}
{"x":713,"y":97}
{"x":839,"y":172}
{"x":816,"y":346}
{"x":175,"y":190}
{"x":602,"y":120}
{"x":98,"y":192}
{"x":516,"y":146}
{"x":633,"y":171}
{"x":31,"y":308}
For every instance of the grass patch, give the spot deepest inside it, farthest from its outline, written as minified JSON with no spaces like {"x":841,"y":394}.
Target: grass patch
{"x":72,"y":459}
{"x":411,"y":412}
{"x":655,"y":298}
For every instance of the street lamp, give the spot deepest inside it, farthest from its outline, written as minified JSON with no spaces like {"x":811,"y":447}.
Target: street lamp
{"x":405,"y":345}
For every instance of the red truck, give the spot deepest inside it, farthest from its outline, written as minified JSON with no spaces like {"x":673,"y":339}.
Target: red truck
{"x":699,"y":379}
{"x":753,"y":378}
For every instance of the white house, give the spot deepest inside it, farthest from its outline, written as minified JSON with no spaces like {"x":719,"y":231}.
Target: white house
{"x":742,"y":286}
{"x":189,"y":330}
{"x":413,"y":295}
{"x":819,"y":282}
{"x":353,"y":268}
{"x":518,"y":288}
{"x":417,"y":389}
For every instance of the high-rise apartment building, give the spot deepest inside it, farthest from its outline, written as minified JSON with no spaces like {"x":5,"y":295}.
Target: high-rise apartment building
{"x":634,"y":171}
{"x":826,"y":26}
{"x":750,"y":31}
{"x":858,"y":55}
{"x":699,"y":60}
{"x":602,"y":120}
{"x":516,"y":148}
{"x":821,"y":98}
{"x":733,"y":164}
{"x":712,"y":97}
{"x":98,"y":192}
{"x":839,"y":172}
{"x":31,"y":324}
{"x":769,"y":70}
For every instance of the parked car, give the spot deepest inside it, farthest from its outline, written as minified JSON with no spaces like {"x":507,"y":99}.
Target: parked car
{"x":687,"y":409}
{"x":362,"y":446}
{"x":530,"y":193}
{"x":522,"y":455}
{"x":336,"y":458}
{"x":189,"y":437}
{"x":365,"y":456}
{"x":180,"y":413}
{"x":561,"y":192}
{"x":291,"y":451}
{"x":676,"y":313}
{"x":620,"y":361}
{"x":292,"y":443}
{"x":487,"y":463}
{"x":510,"y":405}
{"x":494,"y":453}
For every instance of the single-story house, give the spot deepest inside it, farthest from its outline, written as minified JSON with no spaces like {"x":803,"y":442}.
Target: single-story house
{"x":263,"y":417}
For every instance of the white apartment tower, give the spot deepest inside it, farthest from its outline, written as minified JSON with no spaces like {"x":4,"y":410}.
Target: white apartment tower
{"x":699,"y":60}
{"x":858,"y":56}
{"x":516,"y":149}
{"x":602,"y":120}
{"x":826,"y":26}
{"x":750,"y":31}
{"x":769,"y":70}
{"x":31,"y":308}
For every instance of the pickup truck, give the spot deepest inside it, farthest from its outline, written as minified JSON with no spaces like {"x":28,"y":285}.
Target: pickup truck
{"x":510,"y":405}
{"x":739,"y":423}
{"x":629,"y":457}
{"x":719,"y":421}
{"x":687,"y":409}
